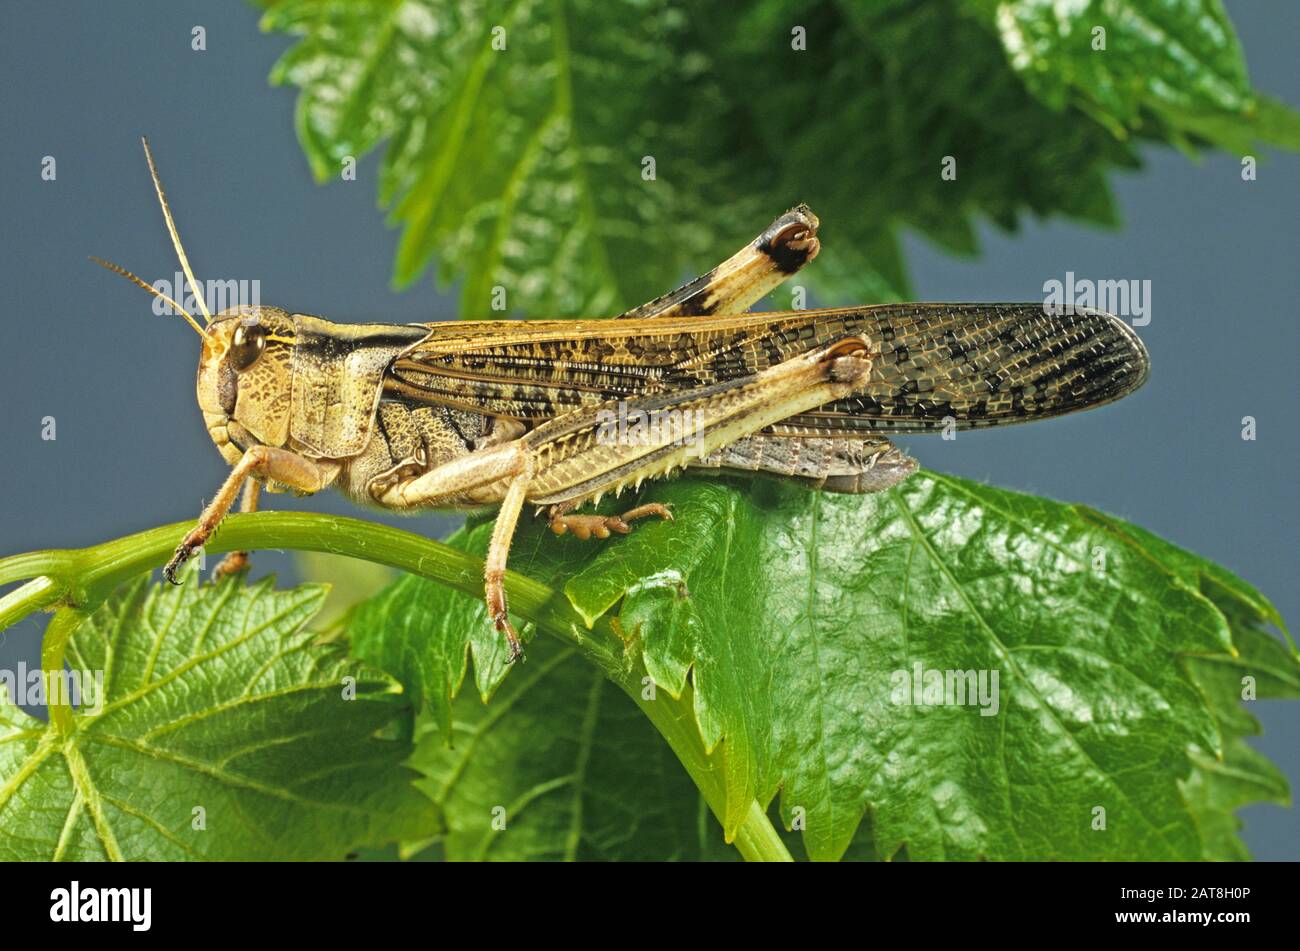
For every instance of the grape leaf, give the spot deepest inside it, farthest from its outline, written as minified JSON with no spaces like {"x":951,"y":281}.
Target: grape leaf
{"x":1165,"y":69}
{"x":511,"y":152}
{"x":1216,"y":787}
{"x":518,"y":135}
{"x":224,"y":733}
{"x":797,"y":615}
{"x":562,"y":766}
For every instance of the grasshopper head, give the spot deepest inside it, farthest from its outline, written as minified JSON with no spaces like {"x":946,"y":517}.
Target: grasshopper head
{"x":246,"y":367}
{"x":245,"y":378}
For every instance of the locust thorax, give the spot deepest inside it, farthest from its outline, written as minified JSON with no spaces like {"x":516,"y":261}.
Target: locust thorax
{"x":245,"y":379}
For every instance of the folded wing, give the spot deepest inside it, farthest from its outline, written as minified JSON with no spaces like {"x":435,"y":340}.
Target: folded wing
{"x":965,"y":365}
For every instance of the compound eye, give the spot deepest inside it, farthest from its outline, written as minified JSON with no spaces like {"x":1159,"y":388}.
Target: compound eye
{"x":246,"y":346}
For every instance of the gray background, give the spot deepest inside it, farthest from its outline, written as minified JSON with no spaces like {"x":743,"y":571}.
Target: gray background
{"x":82,"y":346}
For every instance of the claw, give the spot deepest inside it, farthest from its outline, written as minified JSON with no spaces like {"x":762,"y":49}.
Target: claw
{"x":179,"y":557}
{"x":503,"y":626}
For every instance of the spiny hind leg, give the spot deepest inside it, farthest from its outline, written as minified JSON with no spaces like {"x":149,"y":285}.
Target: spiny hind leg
{"x":749,"y":275}
{"x":237,"y":561}
{"x":562,"y":522}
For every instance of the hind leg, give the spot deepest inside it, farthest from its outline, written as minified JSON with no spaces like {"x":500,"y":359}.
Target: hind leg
{"x":749,"y":275}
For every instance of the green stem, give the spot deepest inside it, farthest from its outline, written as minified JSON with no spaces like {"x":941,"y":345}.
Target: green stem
{"x":755,"y":837}
{"x":36,"y":595}
{"x":53,"y":647}
{"x":80,"y":579}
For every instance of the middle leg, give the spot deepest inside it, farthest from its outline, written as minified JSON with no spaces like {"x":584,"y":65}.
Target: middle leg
{"x":499,"y":473}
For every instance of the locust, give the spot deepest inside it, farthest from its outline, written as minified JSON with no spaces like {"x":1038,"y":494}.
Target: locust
{"x":511,"y":414}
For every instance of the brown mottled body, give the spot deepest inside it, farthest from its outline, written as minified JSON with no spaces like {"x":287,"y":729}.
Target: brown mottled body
{"x":506,"y":413}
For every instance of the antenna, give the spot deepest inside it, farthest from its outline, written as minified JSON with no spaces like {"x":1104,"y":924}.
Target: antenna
{"x":116,"y":269}
{"x":176,"y":238}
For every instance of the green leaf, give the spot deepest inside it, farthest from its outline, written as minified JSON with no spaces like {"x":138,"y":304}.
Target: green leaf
{"x":421,"y":633}
{"x":794,"y":617}
{"x":1262,"y":669}
{"x":224,"y":733}
{"x":562,"y":766}
{"x":1163,"y":68}
{"x":517,"y":163}
{"x":518,"y":133}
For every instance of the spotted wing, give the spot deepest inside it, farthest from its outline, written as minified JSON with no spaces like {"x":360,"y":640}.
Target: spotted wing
{"x":973,"y":364}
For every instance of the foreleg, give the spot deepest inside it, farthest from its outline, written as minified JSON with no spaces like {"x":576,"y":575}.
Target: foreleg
{"x":279,"y":465}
